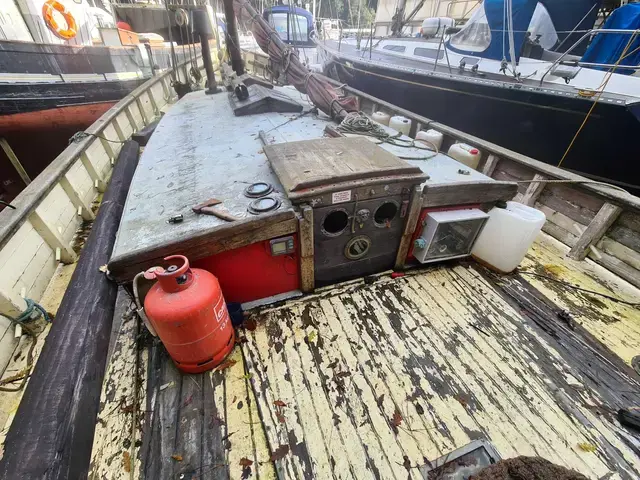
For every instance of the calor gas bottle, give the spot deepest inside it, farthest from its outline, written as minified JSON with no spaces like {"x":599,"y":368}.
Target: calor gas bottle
{"x":189,"y":314}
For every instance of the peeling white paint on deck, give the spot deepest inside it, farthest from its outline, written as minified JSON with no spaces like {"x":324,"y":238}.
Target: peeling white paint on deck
{"x":615,"y":324}
{"x":363,"y":353}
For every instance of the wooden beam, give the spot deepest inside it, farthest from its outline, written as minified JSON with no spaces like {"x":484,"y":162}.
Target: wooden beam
{"x":11,"y":304}
{"x":413,"y":214}
{"x":490,"y":165}
{"x":50,"y":235}
{"x":76,"y":199}
{"x":533,"y":190}
{"x":13,"y":158}
{"x":305,"y":227}
{"x":98,"y":183}
{"x":467,"y":193}
{"x":154,"y":104}
{"x":595,"y":230}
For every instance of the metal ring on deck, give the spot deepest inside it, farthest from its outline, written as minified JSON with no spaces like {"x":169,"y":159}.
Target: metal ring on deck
{"x":258,"y":189}
{"x":263,"y":205}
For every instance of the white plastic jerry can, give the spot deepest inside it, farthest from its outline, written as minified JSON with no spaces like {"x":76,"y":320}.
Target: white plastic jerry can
{"x":466,"y":154}
{"x":381,"y":117}
{"x":507,"y":236}
{"x":431,"y":137}
{"x":401,"y":124}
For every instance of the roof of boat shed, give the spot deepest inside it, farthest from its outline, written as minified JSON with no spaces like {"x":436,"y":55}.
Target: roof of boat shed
{"x":200,"y":150}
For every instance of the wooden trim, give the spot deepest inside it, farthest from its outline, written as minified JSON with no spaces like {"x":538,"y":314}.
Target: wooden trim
{"x":307,"y":273}
{"x":98,"y":183}
{"x":205,"y":244}
{"x":490,"y":165}
{"x":50,"y":235}
{"x":467,"y":193}
{"x":533,"y":190}
{"x":595,"y":230}
{"x":13,"y":158}
{"x":76,"y":199}
{"x":413,"y":215}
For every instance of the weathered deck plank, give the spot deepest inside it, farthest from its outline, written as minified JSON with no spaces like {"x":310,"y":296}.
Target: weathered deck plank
{"x":615,"y":324}
{"x":455,"y":360}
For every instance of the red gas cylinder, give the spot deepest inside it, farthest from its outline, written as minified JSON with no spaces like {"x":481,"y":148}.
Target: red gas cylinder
{"x":188,"y":312}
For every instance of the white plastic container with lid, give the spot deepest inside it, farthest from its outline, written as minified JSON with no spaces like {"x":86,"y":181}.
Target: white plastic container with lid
{"x":431,"y":136}
{"x":466,"y":154}
{"x":507,"y":236}
{"x":401,"y":124}
{"x":381,"y":117}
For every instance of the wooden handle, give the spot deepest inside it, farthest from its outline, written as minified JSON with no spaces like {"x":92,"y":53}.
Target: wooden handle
{"x":217,"y":213}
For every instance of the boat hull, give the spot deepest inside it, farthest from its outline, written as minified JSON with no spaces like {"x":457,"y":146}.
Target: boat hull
{"x":527,"y":120}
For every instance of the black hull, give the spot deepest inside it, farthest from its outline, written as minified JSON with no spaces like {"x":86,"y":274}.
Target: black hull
{"x":26,"y":98}
{"x":537,"y":124}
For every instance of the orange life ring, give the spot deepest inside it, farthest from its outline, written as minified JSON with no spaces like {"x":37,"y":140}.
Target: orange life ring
{"x":47,"y":13}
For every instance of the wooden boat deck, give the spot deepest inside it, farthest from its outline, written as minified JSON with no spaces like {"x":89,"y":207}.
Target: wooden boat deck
{"x":374,"y":380}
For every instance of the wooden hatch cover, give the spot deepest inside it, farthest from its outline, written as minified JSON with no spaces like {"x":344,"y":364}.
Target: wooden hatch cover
{"x":326,"y":161}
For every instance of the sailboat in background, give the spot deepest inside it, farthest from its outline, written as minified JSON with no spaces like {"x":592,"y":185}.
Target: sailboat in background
{"x":531,"y":66}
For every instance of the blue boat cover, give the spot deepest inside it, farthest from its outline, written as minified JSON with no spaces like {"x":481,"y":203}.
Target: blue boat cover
{"x":608,"y":48}
{"x":565,"y":15}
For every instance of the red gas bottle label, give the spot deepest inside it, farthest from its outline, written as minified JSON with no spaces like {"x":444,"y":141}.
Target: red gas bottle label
{"x":221,"y":313}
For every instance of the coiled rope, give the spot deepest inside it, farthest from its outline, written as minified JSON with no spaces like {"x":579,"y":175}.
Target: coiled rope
{"x":358,"y":123}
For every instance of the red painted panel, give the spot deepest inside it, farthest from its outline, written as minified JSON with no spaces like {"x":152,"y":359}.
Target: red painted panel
{"x":251,"y":272}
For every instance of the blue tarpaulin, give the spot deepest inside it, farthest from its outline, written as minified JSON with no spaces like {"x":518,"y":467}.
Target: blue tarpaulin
{"x":607,"y":48}
{"x":566,"y":16}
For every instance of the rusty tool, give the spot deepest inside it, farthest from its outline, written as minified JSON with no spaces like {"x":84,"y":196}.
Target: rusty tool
{"x":206,"y":208}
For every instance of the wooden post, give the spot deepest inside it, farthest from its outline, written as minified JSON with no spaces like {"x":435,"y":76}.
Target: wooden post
{"x":154,"y":104}
{"x":98,"y":183}
{"x":50,"y":235}
{"x":605,"y":217}
{"x":132,"y":121}
{"x":118,"y":129}
{"x":76,"y":199}
{"x":533,"y":191}
{"x":108,"y":148}
{"x":143,"y":114}
{"x":13,"y":158}
{"x":413,"y":214}
{"x":307,"y":274}
{"x":490,"y":165}
{"x":11,"y":304}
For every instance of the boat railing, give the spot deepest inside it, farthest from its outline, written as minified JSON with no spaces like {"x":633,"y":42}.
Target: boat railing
{"x":39,"y":232}
{"x":607,"y":232}
{"x":587,"y":35}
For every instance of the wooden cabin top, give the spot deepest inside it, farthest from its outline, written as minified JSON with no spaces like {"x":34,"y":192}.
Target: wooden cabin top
{"x":200,"y":150}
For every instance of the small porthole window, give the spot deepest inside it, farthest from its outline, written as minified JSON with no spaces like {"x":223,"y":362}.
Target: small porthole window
{"x":357,"y":247}
{"x":385,"y":213}
{"x":335,"y":223}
